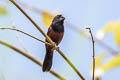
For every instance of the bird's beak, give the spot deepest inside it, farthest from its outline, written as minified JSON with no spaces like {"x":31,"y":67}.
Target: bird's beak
{"x":62,"y":18}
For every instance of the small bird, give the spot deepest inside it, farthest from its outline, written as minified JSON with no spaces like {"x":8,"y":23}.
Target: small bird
{"x":55,"y":32}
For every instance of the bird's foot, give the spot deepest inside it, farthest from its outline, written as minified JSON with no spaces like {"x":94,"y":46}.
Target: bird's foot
{"x":55,"y":47}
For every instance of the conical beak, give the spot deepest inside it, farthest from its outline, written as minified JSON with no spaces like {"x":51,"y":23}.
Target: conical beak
{"x":62,"y":18}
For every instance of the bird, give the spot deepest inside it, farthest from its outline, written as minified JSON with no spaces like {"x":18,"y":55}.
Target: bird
{"x":55,"y":32}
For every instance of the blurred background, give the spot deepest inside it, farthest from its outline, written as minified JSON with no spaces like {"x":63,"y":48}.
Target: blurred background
{"x":102,"y":16}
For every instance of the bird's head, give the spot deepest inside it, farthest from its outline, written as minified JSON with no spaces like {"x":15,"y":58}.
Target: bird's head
{"x":58,"y":19}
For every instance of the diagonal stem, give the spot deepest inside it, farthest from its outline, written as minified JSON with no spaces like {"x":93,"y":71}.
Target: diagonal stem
{"x":6,"y":28}
{"x":30,"y":57}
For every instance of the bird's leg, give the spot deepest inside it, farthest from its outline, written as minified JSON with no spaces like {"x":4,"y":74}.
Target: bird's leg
{"x":55,"y":47}
{"x":58,"y":48}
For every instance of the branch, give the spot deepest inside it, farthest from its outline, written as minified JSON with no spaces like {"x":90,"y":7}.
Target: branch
{"x":6,"y":28}
{"x":93,"y":78}
{"x":30,"y":57}
{"x":70,"y":63}
{"x":21,"y":43}
{"x":49,"y":40}
{"x":97,"y":78}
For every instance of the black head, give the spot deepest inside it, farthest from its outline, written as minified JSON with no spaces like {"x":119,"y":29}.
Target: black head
{"x":57,"y":23}
{"x":58,"y":19}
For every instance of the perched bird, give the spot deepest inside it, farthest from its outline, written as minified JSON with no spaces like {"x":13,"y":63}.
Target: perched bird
{"x":55,"y":32}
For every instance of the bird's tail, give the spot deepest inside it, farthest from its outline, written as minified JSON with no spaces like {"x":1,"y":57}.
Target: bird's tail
{"x":47,"y":64}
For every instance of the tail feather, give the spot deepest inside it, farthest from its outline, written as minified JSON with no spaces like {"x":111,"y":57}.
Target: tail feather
{"x":47,"y":64}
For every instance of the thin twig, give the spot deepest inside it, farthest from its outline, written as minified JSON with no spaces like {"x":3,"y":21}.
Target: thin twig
{"x":30,"y":57}
{"x":18,"y":38}
{"x":49,"y":40}
{"x":93,"y":78}
{"x":21,"y":43}
{"x":6,"y":28}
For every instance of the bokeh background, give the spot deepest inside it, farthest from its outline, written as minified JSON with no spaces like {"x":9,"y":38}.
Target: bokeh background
{"x":95,"y":13}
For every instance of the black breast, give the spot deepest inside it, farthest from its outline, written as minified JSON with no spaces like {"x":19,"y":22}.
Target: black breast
{"x":58,"y":28}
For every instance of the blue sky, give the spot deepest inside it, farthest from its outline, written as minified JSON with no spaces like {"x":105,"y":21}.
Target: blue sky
{"x":96,"y":13}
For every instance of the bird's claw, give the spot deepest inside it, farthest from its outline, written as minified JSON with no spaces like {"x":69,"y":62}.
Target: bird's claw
{"x":55,"y":47}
